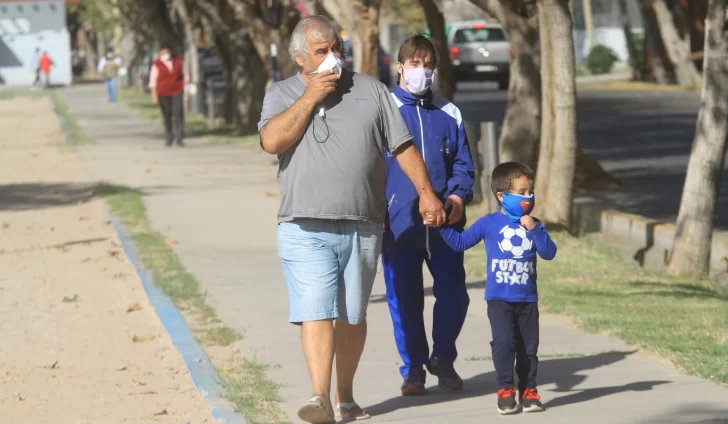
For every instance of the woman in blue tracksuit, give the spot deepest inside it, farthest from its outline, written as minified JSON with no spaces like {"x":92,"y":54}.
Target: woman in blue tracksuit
{"x":437,"y":129}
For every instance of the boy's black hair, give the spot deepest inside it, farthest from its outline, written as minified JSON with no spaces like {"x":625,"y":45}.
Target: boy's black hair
{"x":504,"y":174}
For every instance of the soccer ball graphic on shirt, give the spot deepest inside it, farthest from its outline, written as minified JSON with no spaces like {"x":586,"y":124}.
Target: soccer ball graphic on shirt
{"x":514,"y":241}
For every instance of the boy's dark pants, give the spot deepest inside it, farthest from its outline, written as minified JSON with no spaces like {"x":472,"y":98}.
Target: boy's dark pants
{"x":515,"y":338}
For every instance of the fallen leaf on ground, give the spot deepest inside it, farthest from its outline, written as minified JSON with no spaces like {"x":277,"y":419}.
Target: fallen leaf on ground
{"x":121,"y":369}
{"x":114,"y":253}
{"x":150,"y":392}
{"x":138,"y":382}
{"x":83,"y":218}
{"x":6,"y":225}
{"x":226,"y":369}
{"x":148,"y":171}
{"x":86,"y":260}
{"x":53,"y":366}
{"x":19,"y":396}
{"x":197,"y":360}
{"x":271,"y":194}
{"x":70,"y":299}
{"x":162,"y":412}
{"x":137,"y":339}
{"x":118,"y":275}
{"x":53,"y":228}
{"x":135,"y":307}
{"x":172,"y":241}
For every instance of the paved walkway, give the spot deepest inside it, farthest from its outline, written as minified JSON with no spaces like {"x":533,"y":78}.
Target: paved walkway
{"x":220,"y":203}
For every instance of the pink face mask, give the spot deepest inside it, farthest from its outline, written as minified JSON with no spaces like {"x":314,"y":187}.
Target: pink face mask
{"x":418,"y":80}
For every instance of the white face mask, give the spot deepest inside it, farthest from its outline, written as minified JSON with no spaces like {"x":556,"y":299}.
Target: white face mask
{"x":418,"y":80}
{"x":165,"y":56}
{"x":330,"y":63}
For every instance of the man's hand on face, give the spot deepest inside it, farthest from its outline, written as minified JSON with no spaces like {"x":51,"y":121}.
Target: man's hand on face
{"x":320,"y":85}
{"x":456,"y":203}
{"x":431,"y":210}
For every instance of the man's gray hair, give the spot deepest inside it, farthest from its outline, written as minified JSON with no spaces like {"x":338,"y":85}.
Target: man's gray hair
{"x":321,"y":27}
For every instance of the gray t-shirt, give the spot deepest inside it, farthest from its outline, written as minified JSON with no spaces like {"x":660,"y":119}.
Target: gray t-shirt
{"x":337,"y":170}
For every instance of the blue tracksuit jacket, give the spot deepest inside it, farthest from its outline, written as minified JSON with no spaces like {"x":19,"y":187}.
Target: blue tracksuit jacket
{"x":438,"y":132}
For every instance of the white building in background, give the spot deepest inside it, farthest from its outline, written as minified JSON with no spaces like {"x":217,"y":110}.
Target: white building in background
{"x":606,"y":26}
{"x":27,"y":28}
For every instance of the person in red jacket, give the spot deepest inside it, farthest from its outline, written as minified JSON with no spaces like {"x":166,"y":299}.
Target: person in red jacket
{"x":45,"y":68}
{"x":167,"y":81}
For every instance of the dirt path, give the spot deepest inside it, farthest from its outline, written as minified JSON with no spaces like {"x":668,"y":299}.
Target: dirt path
{"x":80,"y":342}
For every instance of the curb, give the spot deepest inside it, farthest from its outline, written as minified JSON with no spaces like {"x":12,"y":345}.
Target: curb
{"x":598,"y":79}
{"x":201,"y":370}
{"x":649,"y":241}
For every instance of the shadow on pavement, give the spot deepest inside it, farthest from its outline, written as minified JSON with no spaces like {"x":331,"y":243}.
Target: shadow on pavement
{"x":33,"y":196}
{"x":563,"y":372}
{"x":703,"y":414}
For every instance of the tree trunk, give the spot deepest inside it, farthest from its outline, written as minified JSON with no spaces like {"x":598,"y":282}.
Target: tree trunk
{"x":660,"y":73}
{"x":555,"y":176}
{"x":265,"y":32}
{"x":118,"y":29}
{"x":677,"y":50}
{"x":519,"y":138}
{"x":629,"y":40}
{"x":89,"y":51}
{"x":693,"y":238}
{"x":248,"y":80}
{"x":361,"y":20}
{"x":190,"y":40}
{"x":436,"y":24}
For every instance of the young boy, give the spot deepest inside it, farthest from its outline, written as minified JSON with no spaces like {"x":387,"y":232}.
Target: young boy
{"x":512,"y":239}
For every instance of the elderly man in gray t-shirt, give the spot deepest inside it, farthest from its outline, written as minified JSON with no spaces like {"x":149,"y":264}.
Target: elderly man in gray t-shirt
{"x":331,"y":130}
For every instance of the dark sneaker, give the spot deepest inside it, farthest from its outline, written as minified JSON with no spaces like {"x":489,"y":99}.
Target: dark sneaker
{"x":507,"y":401}
{"x":531,"y":401}
{"x":447,"y":379}
{"x":414,"y":383}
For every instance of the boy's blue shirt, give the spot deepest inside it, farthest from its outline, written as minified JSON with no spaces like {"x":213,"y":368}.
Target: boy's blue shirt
{"x":438,"y":133}
{"x":511,"y":252}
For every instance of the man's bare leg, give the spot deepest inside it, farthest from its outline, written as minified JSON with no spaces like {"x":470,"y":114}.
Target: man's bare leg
{"x":350,"y":341}
{"x":317,"y":340}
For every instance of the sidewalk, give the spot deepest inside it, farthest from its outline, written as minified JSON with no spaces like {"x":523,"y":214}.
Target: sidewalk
{"x":80,"y":342}
{"x":220,"y":202}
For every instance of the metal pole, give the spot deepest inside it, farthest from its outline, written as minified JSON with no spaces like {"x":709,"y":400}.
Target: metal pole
{"x":471,"y":132}
{"x":210,"y":94}
{"x":273,"y":47}
{"x":274,"y":58}
{"x":490,"y":158}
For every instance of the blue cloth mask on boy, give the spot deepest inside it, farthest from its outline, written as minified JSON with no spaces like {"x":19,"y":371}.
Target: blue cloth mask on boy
{"x":515,"y":205}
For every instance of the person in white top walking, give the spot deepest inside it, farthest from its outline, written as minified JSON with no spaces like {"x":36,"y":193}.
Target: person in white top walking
{"x":109,"y":69}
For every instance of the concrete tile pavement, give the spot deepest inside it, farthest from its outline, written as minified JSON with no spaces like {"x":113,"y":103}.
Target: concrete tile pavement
{"x":220,"y":201}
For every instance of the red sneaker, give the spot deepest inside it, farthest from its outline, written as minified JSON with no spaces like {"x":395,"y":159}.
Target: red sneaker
{"x":507,"y":401}
{"x":531,"y":401}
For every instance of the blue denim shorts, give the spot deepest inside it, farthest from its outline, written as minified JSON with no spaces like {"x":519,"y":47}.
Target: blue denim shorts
{"x":329,"y":267}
